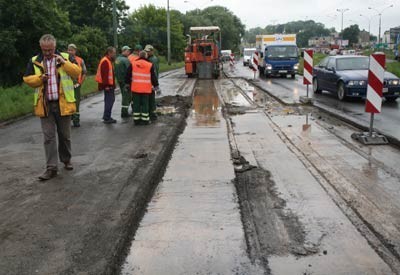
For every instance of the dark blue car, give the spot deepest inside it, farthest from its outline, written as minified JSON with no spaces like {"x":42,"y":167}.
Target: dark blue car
{"x":347,"y":76}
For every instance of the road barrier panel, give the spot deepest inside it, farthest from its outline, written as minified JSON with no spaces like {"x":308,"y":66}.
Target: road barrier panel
{"x":373,"y":105}
{"x":307,"y":74}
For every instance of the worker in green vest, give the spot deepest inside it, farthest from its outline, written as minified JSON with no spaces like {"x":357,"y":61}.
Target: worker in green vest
{"x":156,"y":64}
{"x":121,"y":65}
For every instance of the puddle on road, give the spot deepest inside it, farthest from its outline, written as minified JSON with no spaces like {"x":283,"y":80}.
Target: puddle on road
{"x":206,"y":110}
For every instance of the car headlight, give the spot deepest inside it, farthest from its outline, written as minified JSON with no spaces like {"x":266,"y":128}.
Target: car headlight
{"x":394,"y":82}
{"x":296,"y":66}
{"x":356,"y":83}
{"x":268,"y":66}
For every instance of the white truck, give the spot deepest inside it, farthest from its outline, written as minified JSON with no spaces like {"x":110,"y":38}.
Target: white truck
{"x":247,"y":55}
{"x":278,"y":54}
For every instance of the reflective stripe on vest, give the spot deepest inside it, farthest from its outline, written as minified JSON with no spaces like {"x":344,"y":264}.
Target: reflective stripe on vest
{"x":65,"y":81}
{"x":110,"y":72}
{"x":141,"y":77}
{"x":79,"y":61}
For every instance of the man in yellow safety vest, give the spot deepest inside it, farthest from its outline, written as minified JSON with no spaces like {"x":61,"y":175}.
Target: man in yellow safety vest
{"x":51,"y":73}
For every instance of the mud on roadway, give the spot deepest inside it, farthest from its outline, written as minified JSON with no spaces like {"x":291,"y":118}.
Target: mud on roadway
{"x":81,"y":222}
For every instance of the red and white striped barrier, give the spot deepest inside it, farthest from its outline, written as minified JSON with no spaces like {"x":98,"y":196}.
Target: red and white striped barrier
{"x":308,"y":67}
{"x":376,"y":76}
{"x":255,"y":61}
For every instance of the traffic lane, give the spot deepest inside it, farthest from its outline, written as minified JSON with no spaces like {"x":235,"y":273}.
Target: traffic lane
{"x":387,"y":121}
{"x":76,"y":221}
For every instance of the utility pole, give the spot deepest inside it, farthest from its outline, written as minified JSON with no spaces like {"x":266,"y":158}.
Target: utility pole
{"x":168,"y":35}
{"x":342,"y":11}
{"x":380,"y":20}
{"x":115,"y":23}
{"x":369,"y":27}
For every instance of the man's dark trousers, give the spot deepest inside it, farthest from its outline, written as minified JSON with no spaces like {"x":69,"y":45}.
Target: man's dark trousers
{"x":109,"y":99}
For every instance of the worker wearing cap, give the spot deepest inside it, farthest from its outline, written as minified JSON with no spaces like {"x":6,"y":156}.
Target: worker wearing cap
{"x":121,"y":66}
{"x":154,"y":60}
{"x":142,"y":78}
{"x":135,"y":54}
{"x":77,"y":83}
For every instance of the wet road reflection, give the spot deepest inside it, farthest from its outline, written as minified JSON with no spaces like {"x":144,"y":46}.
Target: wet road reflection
{"x":206,"y":106}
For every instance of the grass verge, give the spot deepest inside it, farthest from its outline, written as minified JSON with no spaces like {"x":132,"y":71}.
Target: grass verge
{"x":317,"y":57}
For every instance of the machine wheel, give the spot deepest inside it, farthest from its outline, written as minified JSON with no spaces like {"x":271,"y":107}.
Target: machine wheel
{"x":293,"y":76}
{"x":391,"y":99}
{"x":315,"y":86}
{"x":341,"y":93}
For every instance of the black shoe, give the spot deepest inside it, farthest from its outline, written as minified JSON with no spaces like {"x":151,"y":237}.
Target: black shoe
{"x":48,"y":174}
{"x":110,"y":121}
{"x":76,"y":124}
{"x":68,"y":166}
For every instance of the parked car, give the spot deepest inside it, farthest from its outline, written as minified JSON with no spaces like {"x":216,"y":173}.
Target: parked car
{"x":347,"y":76}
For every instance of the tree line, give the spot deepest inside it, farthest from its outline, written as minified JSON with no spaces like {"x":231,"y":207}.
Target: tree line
{"x":88,"y":24}
{"x":304,"y":31}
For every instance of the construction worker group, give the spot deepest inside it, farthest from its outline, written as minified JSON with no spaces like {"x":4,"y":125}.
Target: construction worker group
{"x":57,"y":78}
{"x":137,"y":76}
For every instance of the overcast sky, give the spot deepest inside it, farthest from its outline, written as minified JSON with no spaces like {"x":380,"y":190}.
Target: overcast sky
{"x":259,"y":13}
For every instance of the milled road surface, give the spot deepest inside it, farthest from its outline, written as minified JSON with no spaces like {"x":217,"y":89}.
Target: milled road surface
{"x":192,"y":225}
{"x":312,"y":190}
{"x":289,"y":91}
{"x":81,"y":221}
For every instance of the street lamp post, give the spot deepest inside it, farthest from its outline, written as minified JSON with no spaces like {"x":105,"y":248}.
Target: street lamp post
{"x":168,"y":35}
{"x":114,"y":16}
{"x":380,"y":19}
{"x":369,"y":27}
{"x":342,"y":11}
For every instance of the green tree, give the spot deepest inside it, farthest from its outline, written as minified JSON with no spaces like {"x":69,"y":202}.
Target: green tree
{"x":351,"y":33}
{"x":232,"y":29}
{"x":304,"y":30}
{"x":94,"y":13}
{"x":22,"y":23}
{"x":148,"y":25}
{"x":91,"y":44}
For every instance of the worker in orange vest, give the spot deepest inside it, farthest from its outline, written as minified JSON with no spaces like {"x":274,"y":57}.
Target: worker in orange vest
{"x":142,"y":78}
{"x":106,"y":79}
{"x":77,"y":83}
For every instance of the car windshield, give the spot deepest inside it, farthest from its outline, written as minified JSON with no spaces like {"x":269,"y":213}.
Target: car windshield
{"x":357,"y":63}
{"x":248,"y":53}
{"x":278,"y":52}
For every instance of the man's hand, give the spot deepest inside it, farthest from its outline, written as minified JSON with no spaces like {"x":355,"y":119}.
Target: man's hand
{"x":59,"y":59}
{"x":44,"y":77}
{"x":77,"y":85}
{"x":157,"y":90}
